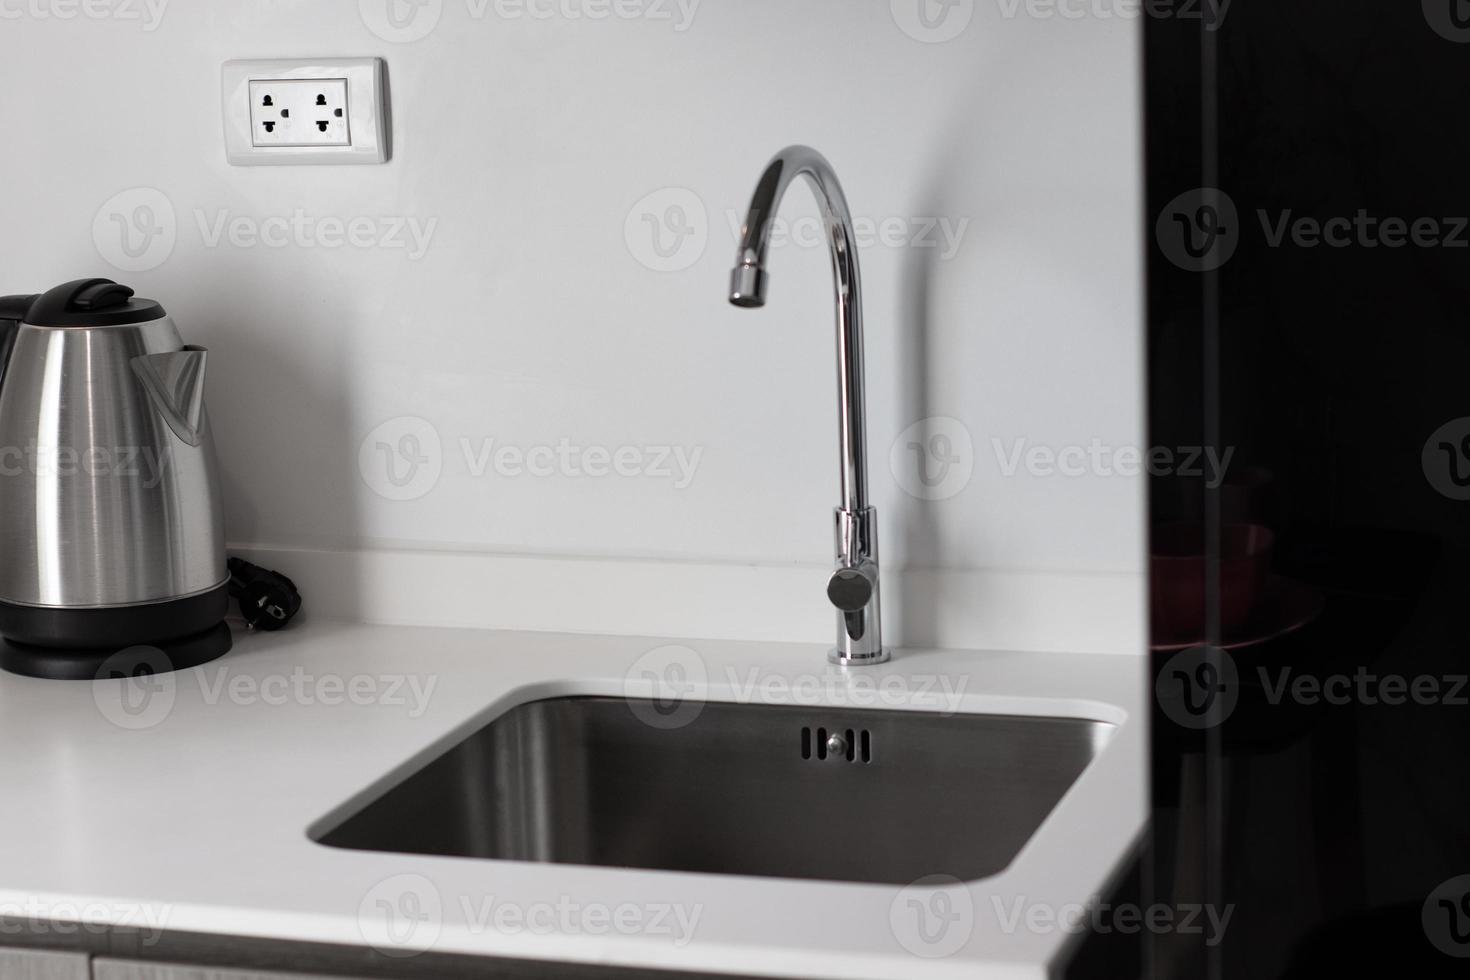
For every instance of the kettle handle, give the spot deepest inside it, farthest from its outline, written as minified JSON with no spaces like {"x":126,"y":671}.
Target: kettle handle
{"x":13,"y":310}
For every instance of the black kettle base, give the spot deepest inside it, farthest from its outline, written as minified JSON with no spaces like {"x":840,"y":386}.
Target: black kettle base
{"x":86,"y":665}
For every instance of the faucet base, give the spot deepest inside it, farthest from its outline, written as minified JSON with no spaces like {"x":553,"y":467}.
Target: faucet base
{"x":837,"y":657}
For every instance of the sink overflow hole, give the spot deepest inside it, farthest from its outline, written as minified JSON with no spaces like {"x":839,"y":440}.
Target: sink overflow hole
{"x":854,"y":746}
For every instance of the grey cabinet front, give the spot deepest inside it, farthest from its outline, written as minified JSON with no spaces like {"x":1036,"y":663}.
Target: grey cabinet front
{"x":33,"y":964}
{"x":104,"y":969}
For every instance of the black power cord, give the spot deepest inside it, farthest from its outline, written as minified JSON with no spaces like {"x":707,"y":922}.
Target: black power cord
{"x":268,"y":600}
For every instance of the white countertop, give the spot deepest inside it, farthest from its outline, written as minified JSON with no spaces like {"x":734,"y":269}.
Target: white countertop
{"x":190,"y":811}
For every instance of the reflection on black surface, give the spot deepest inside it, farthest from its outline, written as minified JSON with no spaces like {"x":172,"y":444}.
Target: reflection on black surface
{"x":1322,"y":794}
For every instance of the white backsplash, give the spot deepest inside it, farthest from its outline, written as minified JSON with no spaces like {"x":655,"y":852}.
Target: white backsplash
{"x":499,"y":281}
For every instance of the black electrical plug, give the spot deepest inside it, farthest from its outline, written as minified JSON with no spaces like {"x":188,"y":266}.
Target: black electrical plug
{"x":268,"y":600}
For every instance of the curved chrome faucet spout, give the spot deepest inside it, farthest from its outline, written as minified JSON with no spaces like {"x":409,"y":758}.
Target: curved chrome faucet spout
{"x":853,"y":589}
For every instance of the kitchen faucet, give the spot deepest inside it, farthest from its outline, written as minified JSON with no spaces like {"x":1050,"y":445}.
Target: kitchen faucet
{"x":853,"y":588}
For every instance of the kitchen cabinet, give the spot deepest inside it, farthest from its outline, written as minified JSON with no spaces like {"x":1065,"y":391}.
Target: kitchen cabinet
{"x":103,"y":969}
{"x":30,"y":964}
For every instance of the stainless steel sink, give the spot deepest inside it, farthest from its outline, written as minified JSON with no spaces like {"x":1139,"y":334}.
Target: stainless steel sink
{"x":741,"y":789}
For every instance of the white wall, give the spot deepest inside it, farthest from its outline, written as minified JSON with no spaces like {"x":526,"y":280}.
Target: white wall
{"x":529,"y":319}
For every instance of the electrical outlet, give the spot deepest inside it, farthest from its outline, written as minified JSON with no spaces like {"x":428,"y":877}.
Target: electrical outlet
{"x":328,"y":110}
{"x":299,"y":112}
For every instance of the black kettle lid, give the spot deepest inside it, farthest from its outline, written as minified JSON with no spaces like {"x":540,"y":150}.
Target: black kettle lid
{"x":82,"y":303}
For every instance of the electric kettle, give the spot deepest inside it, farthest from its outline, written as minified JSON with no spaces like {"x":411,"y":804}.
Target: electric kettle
{"x":111,"y":525}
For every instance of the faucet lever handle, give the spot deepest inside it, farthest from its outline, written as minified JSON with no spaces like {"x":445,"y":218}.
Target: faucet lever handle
{"x":851,"y":589}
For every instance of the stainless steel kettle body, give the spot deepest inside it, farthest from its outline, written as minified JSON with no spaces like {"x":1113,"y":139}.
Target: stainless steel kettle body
{"x":111,"y":526}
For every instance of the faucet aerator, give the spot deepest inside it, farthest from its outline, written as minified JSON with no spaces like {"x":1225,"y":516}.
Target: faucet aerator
{"x":748,"y":287}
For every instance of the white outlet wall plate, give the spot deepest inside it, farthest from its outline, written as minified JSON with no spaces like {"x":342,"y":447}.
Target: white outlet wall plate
{"x":313,"y":111}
